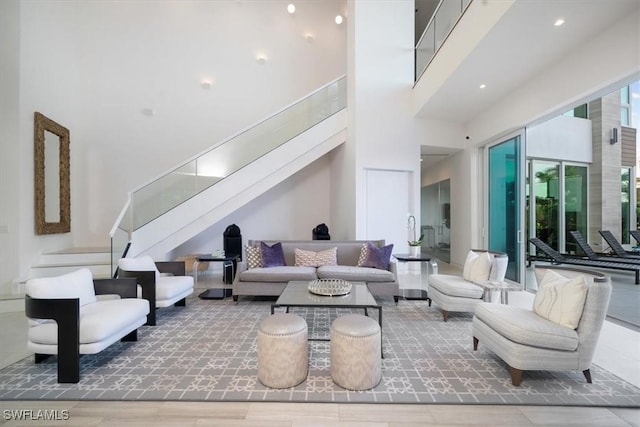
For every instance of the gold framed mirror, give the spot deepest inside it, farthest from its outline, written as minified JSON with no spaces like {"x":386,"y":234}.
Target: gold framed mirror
{"x":52,"y":177}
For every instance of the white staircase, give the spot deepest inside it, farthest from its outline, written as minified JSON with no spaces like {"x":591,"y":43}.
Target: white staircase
{"x":96,"y":259}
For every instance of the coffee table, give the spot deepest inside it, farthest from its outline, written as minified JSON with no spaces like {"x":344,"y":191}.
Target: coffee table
{"x":296,"y":294}
{"x":504,"y":288}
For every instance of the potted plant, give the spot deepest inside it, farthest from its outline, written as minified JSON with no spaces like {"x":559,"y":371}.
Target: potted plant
{"x":414,"y":245}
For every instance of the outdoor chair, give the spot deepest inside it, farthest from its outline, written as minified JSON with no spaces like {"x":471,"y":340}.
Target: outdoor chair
{"x":557,"y":258}
{"x":616,"y":246}
{"x":636,"y":235}
{"x":598,"y":256}
{"x":160,"y":290}
{"x":557,"y":334}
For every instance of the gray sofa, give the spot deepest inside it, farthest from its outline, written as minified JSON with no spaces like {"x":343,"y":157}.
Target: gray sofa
{"x":272,"y":280}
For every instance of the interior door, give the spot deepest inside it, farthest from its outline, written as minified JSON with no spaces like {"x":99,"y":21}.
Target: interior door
{"x":505,"y":214}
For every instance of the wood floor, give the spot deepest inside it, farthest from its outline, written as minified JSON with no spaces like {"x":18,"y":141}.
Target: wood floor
{"x":186,"y":414}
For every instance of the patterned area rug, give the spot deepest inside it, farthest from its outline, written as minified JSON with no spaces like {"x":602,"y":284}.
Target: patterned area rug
{"x":207,"y":352}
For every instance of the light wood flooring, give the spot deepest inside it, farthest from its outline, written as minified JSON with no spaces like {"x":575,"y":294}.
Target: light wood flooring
{"x":186,"y":414}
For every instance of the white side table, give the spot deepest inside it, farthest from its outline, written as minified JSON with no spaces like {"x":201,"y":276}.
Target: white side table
{"x":503,"y":287}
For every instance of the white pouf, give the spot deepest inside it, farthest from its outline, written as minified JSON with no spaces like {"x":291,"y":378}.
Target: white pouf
{"x":356,"y":362}
{"x":282,"y":350}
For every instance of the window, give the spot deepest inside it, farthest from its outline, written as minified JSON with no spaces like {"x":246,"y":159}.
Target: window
{"x":625,"y":106}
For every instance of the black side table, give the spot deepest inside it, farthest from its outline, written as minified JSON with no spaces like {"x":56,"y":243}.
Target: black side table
{"x":230,"y":262}
{"x":413,"y":293}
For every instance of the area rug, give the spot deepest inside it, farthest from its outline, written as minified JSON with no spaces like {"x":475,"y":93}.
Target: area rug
{"x":206,"y":351}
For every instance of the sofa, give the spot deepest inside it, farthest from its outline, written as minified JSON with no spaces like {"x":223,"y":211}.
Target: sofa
{"x":67,"y":318}
{"x":271,"y":281}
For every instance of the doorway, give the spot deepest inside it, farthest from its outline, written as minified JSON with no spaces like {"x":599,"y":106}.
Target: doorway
{"x":436,"y":220}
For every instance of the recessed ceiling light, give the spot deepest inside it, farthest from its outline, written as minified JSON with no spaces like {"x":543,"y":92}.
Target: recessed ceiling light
{"x":482,"y":86}
{"x":559,"y":22}
{"x":339,"y":19}
{"x":291,"y":8}
{"x":206,"y":84}
{"x":261,"y":59}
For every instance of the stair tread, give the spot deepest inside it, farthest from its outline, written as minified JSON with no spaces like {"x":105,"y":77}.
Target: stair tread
{"x":79,"y":264}
{"x":82,"y":250}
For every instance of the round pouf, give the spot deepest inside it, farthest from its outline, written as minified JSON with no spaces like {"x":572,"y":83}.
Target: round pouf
{"x":282,"y":350}
{"x":355,"y":352}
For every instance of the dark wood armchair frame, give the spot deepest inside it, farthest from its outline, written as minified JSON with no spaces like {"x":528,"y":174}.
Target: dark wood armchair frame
{"x":147,"y":280}
{"x":66,"y":312}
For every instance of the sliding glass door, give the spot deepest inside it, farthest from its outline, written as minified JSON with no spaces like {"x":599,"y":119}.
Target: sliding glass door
{"x":505,"y":214}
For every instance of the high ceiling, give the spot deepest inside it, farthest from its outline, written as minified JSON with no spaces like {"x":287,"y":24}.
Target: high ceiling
{"x":522,"y":44}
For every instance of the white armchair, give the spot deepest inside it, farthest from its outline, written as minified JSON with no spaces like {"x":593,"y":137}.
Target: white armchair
{"x":67,"y":319}
{"x":459,"y":293}
{"x":160,"y":291}
{"x":560,"y":333}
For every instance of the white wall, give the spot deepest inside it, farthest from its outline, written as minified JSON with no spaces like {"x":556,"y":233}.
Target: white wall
{"x":561,"y":138}
{"x":10,"y":191}
{"x":289,"y":211}
{"x":383,"y":134}
{"x":95,"y":66}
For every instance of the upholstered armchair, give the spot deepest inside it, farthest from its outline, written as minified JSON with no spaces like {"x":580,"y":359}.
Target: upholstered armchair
{"x":160,"y":290}
{"x":459,"y":293}
{"x":67,"y":319}
{"x":559,"y":333}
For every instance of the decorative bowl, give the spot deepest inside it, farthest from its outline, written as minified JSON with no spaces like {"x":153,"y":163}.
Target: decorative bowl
{"x":329,"y":287}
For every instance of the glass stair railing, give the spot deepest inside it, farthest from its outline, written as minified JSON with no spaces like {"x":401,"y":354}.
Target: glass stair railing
{"x":150,"y":201}
{"x":446,"y":16}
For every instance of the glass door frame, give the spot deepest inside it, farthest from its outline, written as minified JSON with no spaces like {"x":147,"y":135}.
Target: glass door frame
{"x":521,"y":241}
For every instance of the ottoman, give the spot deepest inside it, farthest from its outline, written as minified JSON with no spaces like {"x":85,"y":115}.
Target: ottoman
{"x":355,"y":352}
{"x":282,"y":350}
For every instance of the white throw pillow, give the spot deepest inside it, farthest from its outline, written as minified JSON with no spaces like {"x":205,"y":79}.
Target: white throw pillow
{"x":254,"y":257}
{"x":143,"y":263}
{"x":498,"y":268}
{"x":477,"y":266}
{"x":560,"y":299}
{"x":78,"y":284}
{"x":316,"y":259}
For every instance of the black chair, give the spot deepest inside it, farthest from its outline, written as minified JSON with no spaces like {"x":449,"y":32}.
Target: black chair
{"x":617,"y":248}
{"x":557,"y":258}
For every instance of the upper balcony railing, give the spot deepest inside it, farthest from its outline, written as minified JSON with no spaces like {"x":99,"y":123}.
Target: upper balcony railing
{"x":151,"y":200}
{"x":447,"y":14}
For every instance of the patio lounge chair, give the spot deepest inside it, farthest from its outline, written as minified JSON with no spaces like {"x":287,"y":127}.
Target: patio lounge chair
{"x":617,"y":247}
{"x":636,"y":235}
{"x":556,"y":257}
{"x":598,"y":256}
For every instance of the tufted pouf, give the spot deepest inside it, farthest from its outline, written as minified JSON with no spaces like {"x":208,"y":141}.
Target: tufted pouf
{"x":282,"y":350}
{"x":355,"y":352}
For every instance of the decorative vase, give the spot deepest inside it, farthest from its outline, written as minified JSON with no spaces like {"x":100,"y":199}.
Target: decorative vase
{"x":414,"y":250}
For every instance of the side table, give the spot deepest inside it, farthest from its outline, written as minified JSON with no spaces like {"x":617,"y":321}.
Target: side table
{"x":227,"y":262}
{"x":503,"y":287}
{"x":413,"y":293}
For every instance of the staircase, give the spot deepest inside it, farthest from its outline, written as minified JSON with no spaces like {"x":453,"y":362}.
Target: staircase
{"x":96,"y":259}
{"x":181,"y":203}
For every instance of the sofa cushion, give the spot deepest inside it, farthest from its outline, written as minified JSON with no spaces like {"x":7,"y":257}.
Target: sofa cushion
{"x":526,"y":327}
{"x":455,"y":286}
{"x":306,"y":258}
{"x":78,"y":284}
{"x":377,"y":257}
{"x":272,"y":256}
{"x":278,"y":274}
{"x":171,"y":286}
{"x":254,"y":257}
{"x":142,"y":263}
{"x":477,"y":266}
{"x":98,"y":321}
{"x":355,"y":274}
{"x":561,"y":299}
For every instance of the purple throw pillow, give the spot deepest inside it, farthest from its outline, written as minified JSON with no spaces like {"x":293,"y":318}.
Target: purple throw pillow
{"x":272,"y":256}
{"x":378,"y":257}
